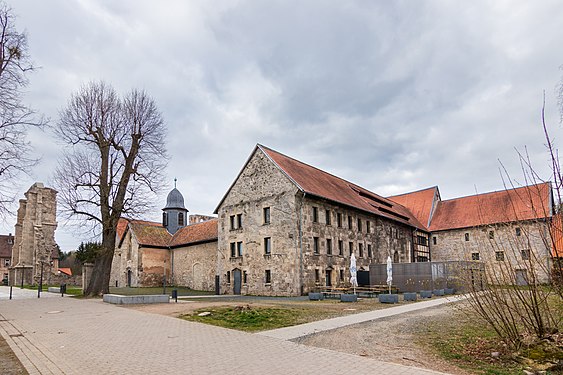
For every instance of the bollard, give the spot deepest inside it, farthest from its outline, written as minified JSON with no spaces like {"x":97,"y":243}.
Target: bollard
{"x":175,"y":294}
{"x":10,"y":292}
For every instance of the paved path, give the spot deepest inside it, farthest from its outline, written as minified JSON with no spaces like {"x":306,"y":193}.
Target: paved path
{"x":18,"y":293}
{"x":69,"y":336}
{"x":290,"y":333}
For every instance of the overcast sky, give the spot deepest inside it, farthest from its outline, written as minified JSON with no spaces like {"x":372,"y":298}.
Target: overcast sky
{"x":394,"y":96}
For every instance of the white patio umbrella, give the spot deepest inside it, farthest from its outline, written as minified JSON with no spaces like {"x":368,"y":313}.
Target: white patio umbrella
{"x":389,"y":273}
{"x":353,"y":278}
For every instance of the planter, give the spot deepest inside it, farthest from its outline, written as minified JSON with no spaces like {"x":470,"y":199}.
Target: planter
{"x":425,"y":294}
{"x":409,"y":296}
{"x":389,"y":298}
{"x":316,"y":296}
{"x":438,"y":292}
{"x":348,"y":298}
{"x":449,"y":291}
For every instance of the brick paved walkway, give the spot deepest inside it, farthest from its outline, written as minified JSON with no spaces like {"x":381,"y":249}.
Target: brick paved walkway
{"x":68,"y":336}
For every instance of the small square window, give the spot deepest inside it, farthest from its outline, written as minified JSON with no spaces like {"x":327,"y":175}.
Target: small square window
{"x":474,"y":256}
{"x":518,"y":232}
{"x":525,"y":254}
{"x":267,"y":245}
{"x":327,"y":217}
{"x":239,"y":249}
{"x":491,"y":235}
{"x":315,"y":215}
{"x":339,"y":220}
{"x":329,"y":246}
{"x":266,"y":215}
{"x":499,"y":255}
{"x":6,"y":262}
{"x":268,"y":277}
{"x":467,"y":236}
{"x":340,"y":247}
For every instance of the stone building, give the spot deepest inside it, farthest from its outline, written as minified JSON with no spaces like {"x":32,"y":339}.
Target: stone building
{"x":34,"y":247}
{"x":508,"y":230}
{"x":6,"y":244}
{"x":184,"y":254}
{"x":285,"y":227}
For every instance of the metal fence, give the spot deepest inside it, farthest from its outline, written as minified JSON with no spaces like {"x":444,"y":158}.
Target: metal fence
{"x":414,"y":277}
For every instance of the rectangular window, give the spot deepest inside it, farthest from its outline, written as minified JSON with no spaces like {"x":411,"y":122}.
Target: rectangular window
{"x":361,"y":250}
{"x":327,"y":217}
{"x":315,"y":215}
{"x":341,"y":275}
{"x":474,"y":256}
{"x":233,"y":250}
{"x":266,"y":215}
{"x":232,"y":221}
{"x":518,"y":232}
{"x":491,"y":235}
{"x":317,"y":276}
{"x":467,"y":236}
{"x":268,"y":277}
{"x":267,"y":245}
{"x":499,"y":255}
{"x":6,"y":262}
{"x":228,"y":277}
{"x":239,"y":221}
{"x":351,"y":246}
{"x":329,"y":246}
{"x":316,"y":249}
{"x":370,"y":255}
{"x":339,"y":220}
{"x":340,"y":247}
{"x":239,"y":249}
{"x":244,"y":277}
{"x":180,"y":219}
{"x":525,"y":254}
{"x":434,"y":240}
{"x":368,"y":226}
{"x":359,"y":225}
{"x":349,"y":222}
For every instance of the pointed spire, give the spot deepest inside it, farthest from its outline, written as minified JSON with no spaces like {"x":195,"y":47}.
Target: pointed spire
{"x":175,"y":179}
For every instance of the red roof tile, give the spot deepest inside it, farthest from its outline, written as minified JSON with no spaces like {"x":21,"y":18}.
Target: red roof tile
{"x":149,"y":233}
{"x":66,"y":271}
{"x":524,"y":203}
{"x":121,"y":227}
{"x":195,"y":233}
{"x":557,"y":236}
{"x":6,"y":243}
{"x":420,"y":203}
{"x":322,"y":184}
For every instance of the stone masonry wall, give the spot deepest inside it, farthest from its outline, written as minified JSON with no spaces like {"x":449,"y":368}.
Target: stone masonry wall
{"x":195,"y":266}
{"x":155,"y":263}
{"x":452,"y":245}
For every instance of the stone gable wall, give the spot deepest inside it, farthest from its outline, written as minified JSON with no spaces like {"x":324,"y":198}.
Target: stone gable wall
{"x":451,"y":245}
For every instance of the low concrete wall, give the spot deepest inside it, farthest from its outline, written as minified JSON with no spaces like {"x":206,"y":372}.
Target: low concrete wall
{"x":54,"y":289}
{"x":129,"y":300}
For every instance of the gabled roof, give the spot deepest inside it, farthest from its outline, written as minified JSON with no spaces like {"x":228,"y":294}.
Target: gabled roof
{"x":153,"y":234}
{"x":6,"y":246}
{"x":421,"y":203}
{"x":66,"y":271}
{"x":319,"y":183}
{"x":525,"y":203}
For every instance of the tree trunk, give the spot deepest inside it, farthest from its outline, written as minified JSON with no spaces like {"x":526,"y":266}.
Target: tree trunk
{"x":99,"y":282}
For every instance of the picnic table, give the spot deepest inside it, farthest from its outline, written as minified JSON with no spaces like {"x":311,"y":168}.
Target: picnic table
{"x":370,"y":291}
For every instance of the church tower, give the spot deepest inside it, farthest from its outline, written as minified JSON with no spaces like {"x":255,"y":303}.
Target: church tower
{"x":175,"y":215}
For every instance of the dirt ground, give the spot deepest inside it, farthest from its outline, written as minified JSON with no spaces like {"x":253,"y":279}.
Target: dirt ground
{"x":392,"y":339}
{"x":9,"y":363}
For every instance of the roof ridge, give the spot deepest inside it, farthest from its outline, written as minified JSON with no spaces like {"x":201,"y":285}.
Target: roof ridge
{"x":495,"y":192}
{"x":414,"y":191}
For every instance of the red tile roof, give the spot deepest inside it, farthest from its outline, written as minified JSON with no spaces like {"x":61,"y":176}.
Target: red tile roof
{"x":149,"y":233}
{"x":121,"y":227}
{"x":316,"y":182}
{"x":195,"y":233}
{"x":66,"y":271}
{"x":524,"y":203}
{"x":6,"y":246}
{"x":420,"y":203}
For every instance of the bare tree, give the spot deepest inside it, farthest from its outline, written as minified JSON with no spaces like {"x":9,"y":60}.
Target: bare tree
{"x":113,"y":165}
{"x":15,"y":116}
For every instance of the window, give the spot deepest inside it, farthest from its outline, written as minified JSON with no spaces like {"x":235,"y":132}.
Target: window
{"x":361,"y":250}
{"x":315,"y":215}
{"x":351,"y":247}
{"x":232,"y":222}
{"x":239,"y":249}
{"x":11,"y":240}
{"x":518,"y":232}
{"x":499,"y":255}
{"x":266,"y":215}
{"x":228,"y":277}
{"x":316,"y":249}
{"x":525,"y":254}
{"x":370,"y":255}
{"x":467,"y":236}
{"x":239,"y":221}
{"x":244,"y":277}
{"x":339,"y":220}
{"x":422,"y":240}
{"x":267,"y":245}
{"x":233,"y":250}
{"x":491,"y":235}
{"x":327,"y":217}
{"x":328,"y":277}
{"x":317,"y":276}
{"x":368,"y":226}
{"x":329,"y":246}
{"x":340,"y":247}
{"x":474,"y":256}
{"x":180,"y":219}
{"x":359,"y":225}
{"x":349,"y":222}
{"x":434,"y":240}
{"x":164,"y":219}
{"x":341,"y":275}
{"x":396,"y":257}
{"x":6,"y":262}
{"x":268,"y":277}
